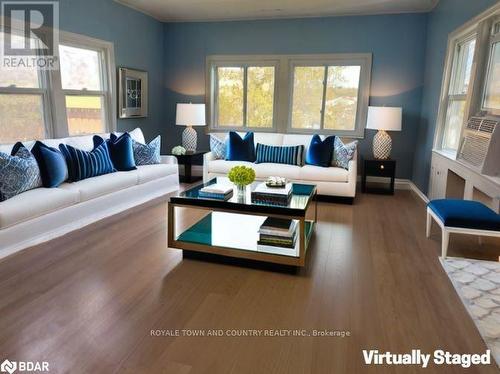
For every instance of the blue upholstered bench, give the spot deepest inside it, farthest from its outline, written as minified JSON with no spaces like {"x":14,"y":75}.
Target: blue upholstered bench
{"x":462,"y":217}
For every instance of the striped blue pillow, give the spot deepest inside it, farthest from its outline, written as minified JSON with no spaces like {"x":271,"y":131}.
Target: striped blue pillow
{"x":83,"y":164}
{"x":291,"y":155}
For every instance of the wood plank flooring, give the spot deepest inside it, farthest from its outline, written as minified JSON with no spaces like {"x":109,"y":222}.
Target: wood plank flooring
{"x":87,"y":302}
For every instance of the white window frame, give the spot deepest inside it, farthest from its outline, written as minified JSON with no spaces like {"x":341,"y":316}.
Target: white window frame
{"x":108,"y":79}
{"x":364,"y":60}
{"x":481,"y":27}
{"x":447,"y":97}
{"x":53,"y":96}
{"x":215,"y":62}
{"x":43,"y":91}
{"x":494,"y":39}
{"x":283,"y":86}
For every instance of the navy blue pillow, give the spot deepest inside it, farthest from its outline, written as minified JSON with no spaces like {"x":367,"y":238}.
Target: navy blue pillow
{"x":83,"y":164}
{"x":120,"y":150}
{"x":291,"y":155}
{"x":320,"y":151}
{"x":51,"y":163}
{"x":239,"y":149}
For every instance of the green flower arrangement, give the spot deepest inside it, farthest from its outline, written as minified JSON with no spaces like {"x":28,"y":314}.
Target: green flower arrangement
{"x":179,"y":150}
{"x":241,"y":175}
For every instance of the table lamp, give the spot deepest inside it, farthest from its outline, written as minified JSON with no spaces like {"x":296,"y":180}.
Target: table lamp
{"x":190,"y":115}
{"x":383,"y":119}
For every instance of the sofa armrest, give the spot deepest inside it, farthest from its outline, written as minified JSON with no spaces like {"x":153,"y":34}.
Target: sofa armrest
{"x":207,"y":157}
{"x":353,"y":173}
{"x":168,"y":160}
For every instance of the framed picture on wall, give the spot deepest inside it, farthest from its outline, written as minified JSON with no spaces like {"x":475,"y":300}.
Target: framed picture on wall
{"x":132,"y":93}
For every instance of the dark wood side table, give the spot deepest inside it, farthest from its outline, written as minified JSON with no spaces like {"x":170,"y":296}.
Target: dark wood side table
{"x":188,"y":160}
{"x":378,"y":168}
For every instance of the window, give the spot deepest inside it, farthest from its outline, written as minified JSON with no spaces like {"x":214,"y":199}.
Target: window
{"x":471,"y":79}
{"x":82,"y":81}
{"x":74,"y":100}
{"x":491,"y":99}
{"x":459,"y":85}
{"x":325,"y":97}
{"x":290,"y":93}
{"x":22,"y":97}
{"x":245,"y":96}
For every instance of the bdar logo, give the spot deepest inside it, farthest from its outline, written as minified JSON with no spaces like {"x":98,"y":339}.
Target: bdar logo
{"x":8,"y":366}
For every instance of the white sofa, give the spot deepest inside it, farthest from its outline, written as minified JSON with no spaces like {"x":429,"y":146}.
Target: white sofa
{"x":330,"y":181}
{"x":42,"y":214}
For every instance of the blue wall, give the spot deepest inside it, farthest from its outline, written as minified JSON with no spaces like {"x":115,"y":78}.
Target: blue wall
{"x":397,"y":43}
{"x":138,"y":43}
{"x":446,"y":17}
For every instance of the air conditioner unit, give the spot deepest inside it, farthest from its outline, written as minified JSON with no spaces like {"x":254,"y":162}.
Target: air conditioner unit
{"x":481,"y":145}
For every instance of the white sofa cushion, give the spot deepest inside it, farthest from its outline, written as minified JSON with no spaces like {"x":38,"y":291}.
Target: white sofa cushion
{"x":298,"y":139}
{"x":91,"y":188}
{"x":318,"y":173}
{"x":223,"y":166}
{"x":34,"y":203}
{"x":147,"y":173}
{"x":265,"y":170}
{"x":268,"y":138}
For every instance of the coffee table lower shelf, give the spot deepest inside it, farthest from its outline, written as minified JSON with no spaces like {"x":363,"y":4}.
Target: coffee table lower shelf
{"x":236,"y":235}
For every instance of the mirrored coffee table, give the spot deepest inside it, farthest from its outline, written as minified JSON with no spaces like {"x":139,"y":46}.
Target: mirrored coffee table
{"x":231,"y":227}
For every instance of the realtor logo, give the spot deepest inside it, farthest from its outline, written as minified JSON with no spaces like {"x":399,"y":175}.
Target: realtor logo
{"x":8,"y":366}
{"x":36,"y":21}
{"x":30,"y":34}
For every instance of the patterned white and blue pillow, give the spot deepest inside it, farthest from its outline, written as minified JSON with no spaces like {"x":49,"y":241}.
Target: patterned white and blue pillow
{"x":18,"y":172}
{"x":290,"y":155}
{"x":343,"y":153}
{"x":218,"y":147}
{"x":147,"y":154}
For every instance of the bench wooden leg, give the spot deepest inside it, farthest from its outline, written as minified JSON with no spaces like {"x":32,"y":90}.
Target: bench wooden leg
{"x":428,"y":225}
{"x":445,"y":238}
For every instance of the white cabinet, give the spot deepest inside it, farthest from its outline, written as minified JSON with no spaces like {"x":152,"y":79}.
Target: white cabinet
{"x":454,"y":179}
{"x":437,"y":188}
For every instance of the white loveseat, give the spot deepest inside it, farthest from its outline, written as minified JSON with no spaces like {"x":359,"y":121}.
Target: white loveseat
{"x":42,"y":214}
{"x":330,"y":181}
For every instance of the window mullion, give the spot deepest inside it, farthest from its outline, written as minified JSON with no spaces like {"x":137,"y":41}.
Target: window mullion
{"x":245,"y":95}
{"x":323,"y":103}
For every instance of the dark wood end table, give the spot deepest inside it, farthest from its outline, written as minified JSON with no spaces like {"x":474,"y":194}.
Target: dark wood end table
{"x":188,"y":160}
{"x":379,"y":168}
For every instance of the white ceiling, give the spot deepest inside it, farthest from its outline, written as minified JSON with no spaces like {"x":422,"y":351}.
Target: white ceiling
{"x":225,"y":10}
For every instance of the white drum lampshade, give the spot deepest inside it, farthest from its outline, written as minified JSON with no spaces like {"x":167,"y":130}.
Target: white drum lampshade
{"x":383,"y":119}
{"x":190,"y":115}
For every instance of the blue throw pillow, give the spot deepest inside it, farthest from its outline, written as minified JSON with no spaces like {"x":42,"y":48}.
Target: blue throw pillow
{"x":120,"y":150}
{"x":239,"y":149}
{"x":218,"y":147}
{"x":291,"y":155}
{"x":19,"y":172}
{"x":83,"y":164}
{"x":52,"y":165}
{"x":320,"y":151}
{"x":147,"y":154}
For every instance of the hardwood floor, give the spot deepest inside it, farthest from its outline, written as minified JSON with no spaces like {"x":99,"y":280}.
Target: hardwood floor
{"x":87,"y":302}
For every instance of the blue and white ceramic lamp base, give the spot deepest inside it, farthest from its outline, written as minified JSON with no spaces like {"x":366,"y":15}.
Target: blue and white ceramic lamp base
{"x":189,"y":139}
{"x":382,"y":145}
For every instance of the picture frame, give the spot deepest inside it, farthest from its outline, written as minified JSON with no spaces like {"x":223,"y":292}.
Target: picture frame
{"x":132,"y":93}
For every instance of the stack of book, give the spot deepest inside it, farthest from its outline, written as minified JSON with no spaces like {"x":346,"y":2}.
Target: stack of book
{"x":277,"y":235}
{"x":272,"y":195}
{"x":216,"y":191}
